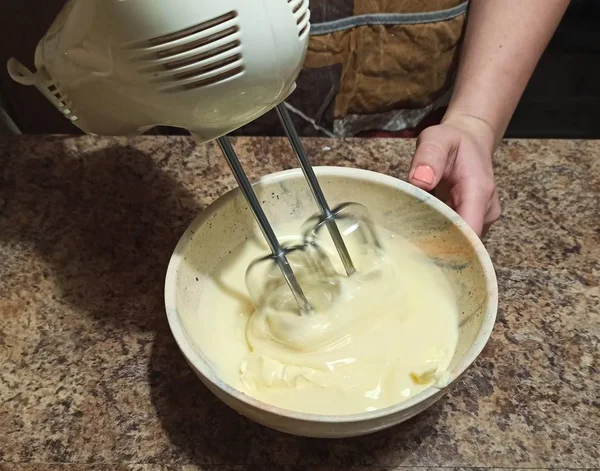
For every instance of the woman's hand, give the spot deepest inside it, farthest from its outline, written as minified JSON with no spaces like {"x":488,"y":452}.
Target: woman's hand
{"x":503,"y":42}
{"x":454,"y":159}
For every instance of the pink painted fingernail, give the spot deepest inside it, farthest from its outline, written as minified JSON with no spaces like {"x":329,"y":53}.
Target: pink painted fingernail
{"x":424,"y":174}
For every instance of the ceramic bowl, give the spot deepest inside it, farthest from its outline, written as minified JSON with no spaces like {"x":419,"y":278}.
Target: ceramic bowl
{"x":395,"y":205}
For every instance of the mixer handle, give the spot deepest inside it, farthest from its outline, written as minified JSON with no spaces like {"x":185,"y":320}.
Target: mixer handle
{"x":21,"y":74}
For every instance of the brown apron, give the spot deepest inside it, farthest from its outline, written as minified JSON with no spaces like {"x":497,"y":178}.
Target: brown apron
{"x":377,"y":65}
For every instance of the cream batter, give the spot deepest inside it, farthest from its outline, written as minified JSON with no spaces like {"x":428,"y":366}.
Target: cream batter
{"x":390,"y":332}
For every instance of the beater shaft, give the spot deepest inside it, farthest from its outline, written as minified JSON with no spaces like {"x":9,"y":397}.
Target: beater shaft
{"x":315,"y":188}
{"x":278,"y":252}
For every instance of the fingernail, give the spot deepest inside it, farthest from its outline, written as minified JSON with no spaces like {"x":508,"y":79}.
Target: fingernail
{"x":424,"y":174}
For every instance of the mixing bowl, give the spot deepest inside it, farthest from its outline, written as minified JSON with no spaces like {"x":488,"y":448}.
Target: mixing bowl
{"x":395,"y":205}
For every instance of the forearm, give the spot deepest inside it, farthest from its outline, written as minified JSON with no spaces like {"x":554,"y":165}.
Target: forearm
{"x":503,"y":43}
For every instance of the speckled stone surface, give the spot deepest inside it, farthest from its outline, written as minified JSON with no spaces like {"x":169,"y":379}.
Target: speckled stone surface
{"x":91,"y":379}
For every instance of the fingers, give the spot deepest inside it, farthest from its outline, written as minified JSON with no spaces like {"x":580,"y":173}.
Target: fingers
{"x":473,"y":210}
{"x":493,"y":214}
{"x":455,"y":163}
{"x":436,"y":146}
{"x":478,"y":204}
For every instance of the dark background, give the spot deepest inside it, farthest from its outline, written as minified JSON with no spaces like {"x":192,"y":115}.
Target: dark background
{"x":561,"y":101}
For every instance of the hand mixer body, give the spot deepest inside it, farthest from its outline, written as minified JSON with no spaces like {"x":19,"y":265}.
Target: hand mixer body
{"x":119,"y":67}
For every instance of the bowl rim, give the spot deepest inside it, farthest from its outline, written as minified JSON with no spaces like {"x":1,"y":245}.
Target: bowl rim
{"x":201,"y":365}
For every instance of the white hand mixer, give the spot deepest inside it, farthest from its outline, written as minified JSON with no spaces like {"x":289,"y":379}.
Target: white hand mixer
{"x":121,"y":67}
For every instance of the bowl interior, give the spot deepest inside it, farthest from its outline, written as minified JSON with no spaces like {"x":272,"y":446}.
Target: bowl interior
{"x":285,"y":197}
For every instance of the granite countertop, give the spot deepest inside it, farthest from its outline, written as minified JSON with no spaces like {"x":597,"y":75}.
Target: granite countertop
{"x":91,"y":377}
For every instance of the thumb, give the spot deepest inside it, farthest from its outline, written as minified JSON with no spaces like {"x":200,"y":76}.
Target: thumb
{"x":434,"y":147}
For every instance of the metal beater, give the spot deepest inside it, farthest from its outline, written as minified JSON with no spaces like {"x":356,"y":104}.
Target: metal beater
{"x":312,"y":257}
{"x":279,"y":255}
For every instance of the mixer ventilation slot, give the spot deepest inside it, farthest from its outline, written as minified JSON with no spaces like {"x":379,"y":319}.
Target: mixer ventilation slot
{"x":61,"y":102}
{"x":195,"y":57}
{"x":302,"y":14}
